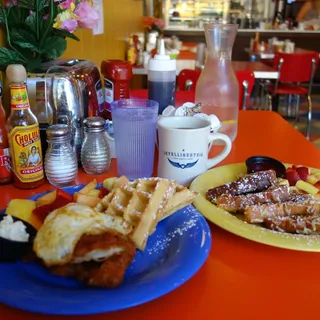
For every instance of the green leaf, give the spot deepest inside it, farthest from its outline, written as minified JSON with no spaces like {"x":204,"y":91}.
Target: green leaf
{"x":66,"y":34}
{"x":29,"y":4}
{"x":8,"y":56}
{"x":53,"y":47}
{"x":17,"y":16}
{"x":43,"y":3}
{"x":24,"y":39}
{"x":33,"y":65}
{"x":31,"y":22}
{"x":2,"y":15}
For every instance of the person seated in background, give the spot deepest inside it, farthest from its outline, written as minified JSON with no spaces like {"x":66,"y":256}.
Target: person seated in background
{"x":309,"y":11}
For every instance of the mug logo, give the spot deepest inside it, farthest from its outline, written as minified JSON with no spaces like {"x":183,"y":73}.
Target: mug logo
{"x":182,"y":165}
{"x":184,"y":159}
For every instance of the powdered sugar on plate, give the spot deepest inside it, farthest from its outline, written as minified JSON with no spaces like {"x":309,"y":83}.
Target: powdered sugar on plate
{"x":162,"y":241}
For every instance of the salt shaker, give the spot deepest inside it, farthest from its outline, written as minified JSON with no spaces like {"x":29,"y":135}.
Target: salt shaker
{"x":95,"y":152}
{"x":61,"y":166}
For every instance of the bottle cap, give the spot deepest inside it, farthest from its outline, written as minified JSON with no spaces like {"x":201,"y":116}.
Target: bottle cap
{"x":58,"y":131}
{"x":162,"y":61}
{"x":16,"y":73}
{"x":116,"y":69}
{"x":94,"y":124}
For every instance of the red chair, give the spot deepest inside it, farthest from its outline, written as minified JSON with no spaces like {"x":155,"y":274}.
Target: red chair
{"x":187,"y":80}
{"x":294,"y":69}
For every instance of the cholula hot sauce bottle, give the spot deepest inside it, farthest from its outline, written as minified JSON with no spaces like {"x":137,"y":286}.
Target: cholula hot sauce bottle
{"x":24,"y":140}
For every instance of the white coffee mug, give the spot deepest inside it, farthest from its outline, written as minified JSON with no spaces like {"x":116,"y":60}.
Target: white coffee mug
{"x":184,"y":144}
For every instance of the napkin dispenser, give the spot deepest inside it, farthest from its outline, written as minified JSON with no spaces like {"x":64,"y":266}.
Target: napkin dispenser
{"x":74,"y":92}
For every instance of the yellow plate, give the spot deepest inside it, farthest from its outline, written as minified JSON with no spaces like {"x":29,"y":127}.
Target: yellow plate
{"x":233,"y":223}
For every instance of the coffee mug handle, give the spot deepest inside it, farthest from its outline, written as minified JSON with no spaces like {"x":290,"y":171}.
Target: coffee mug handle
{"x":227,"y":148}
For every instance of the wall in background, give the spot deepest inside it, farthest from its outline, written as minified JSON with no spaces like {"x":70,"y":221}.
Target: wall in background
{"x":121,"y":17}
{"x":2,"y":43}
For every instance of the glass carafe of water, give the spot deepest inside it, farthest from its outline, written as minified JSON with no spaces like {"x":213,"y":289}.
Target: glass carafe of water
{"x":217,"y":88}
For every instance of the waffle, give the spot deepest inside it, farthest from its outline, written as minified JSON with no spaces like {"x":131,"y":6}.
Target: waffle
{"x":181,"y":197}
{"x":139,"y":205}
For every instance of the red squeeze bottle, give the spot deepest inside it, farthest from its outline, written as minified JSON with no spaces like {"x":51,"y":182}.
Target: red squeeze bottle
{"x":117,"y":75}
{"x":5,"y":163}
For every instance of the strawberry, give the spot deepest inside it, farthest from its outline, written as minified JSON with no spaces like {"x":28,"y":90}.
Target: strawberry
{"x":290,"y":169}
{"x":303,"y":172}
{"x":296,"y":166}
{"x":292,"y":177}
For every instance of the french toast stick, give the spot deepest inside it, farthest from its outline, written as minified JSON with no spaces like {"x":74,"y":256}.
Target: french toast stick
{"x":254,"y":182}
{"x":309,"y":224}
{"x":258,"y":213}
{"x":239,"y":203}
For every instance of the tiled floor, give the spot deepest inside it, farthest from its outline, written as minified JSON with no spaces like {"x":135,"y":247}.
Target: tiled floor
{"x":302,"y":123}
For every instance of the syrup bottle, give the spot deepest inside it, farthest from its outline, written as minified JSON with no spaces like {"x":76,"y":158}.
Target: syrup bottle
{"x":162,"y":79}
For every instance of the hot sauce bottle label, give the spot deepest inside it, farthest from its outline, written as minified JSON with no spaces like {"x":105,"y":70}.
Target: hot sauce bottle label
{"x":19,"y":98}
{"x":99,"y":91}
{"x":26,"y":155}
{"x":5,"y":163}
{"x":109,"y":93}
{"x":40,"y":91}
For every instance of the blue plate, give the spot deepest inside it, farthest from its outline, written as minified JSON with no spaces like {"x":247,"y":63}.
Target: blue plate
{"x":174,"y":253}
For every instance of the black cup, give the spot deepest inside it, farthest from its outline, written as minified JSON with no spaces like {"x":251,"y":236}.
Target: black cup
{"x":10,"y":250}
{"x":261,"y":163}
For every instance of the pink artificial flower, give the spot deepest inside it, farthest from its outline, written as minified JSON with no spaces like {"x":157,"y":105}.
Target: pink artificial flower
{"x":67,"y":4}
{"x":10,"y":3}
{"x":69,"y":25}
{"x":88,"y":17}
{"x":159,"y":23}
{"x":46,"y":16}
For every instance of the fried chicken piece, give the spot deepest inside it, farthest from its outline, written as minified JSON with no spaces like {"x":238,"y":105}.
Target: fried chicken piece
{"x":99,"y":260}
{"x":309,"y":224}
{"x":239,"y":203}
{"x":254,"y":182}
{"x":101,"y":246}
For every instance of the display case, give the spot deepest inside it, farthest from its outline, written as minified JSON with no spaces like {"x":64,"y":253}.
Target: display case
{"x":194,"y":13}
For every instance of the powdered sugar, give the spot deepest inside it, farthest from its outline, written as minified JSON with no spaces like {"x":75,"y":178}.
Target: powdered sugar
{"x":161,"y":242}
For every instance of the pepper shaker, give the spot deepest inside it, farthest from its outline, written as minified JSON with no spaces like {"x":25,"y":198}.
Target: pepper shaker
{"x":95,"y":152}
{"x":61,"y":166}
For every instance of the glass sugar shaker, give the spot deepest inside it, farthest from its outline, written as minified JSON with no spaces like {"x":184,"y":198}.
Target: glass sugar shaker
{"x":95,"y":152}
{"x":60,"y":162}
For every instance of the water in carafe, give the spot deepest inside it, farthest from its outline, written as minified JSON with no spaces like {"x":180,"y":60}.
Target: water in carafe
{"x":217,"y":88}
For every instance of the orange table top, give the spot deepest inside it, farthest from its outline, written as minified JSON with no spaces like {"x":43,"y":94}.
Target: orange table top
{"x":241,"y":279}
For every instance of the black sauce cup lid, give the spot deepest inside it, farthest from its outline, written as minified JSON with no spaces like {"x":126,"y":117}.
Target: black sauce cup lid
{"x":260,"y":163}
